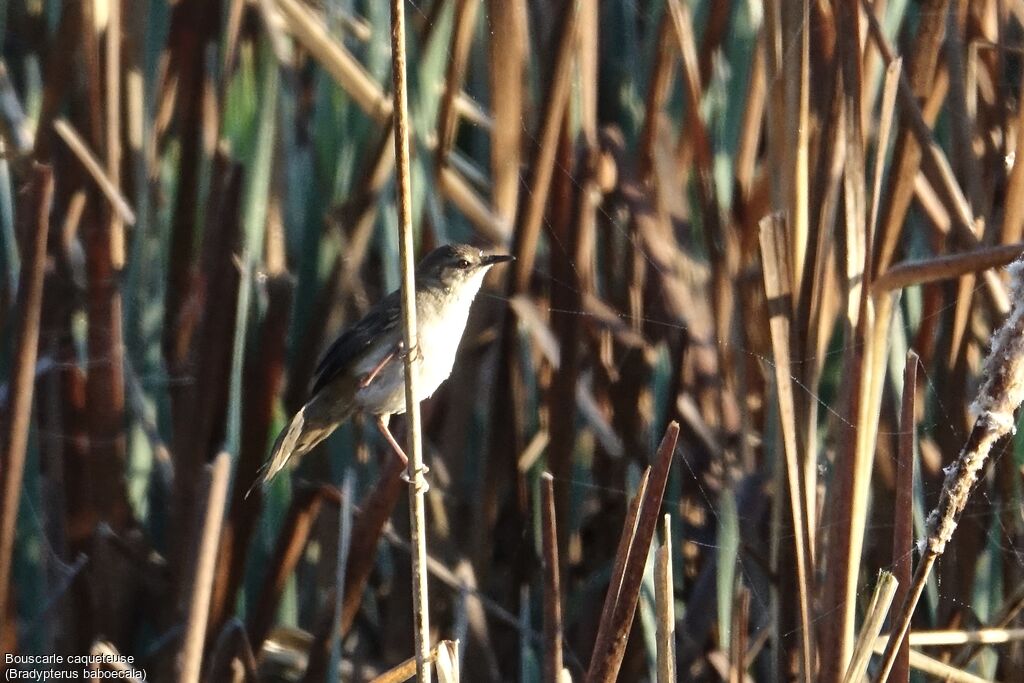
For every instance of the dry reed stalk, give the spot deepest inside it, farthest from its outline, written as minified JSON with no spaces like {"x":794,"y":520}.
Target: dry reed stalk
{"x":112,"y":93}
{"x":657,"y":93}
{"x":938,"y":670}
{"x":890,"y":88}
{"x":925,"y":151}
{"x":822,"y":301}
{"x":448,"y":661}
{"x":962,"y":124}
{"x":552,"y":590}
{"x":458,"y":54}
{"x":777,"y":290}
{"x":907,"y":154}
{"x":611,"y":598}
{"x":739,"y":657}
{"x":215,"y":485}
{"x":34,"y":212}
{"x":588,"y":78}
{"x":877,"y":610}
{"x":507,"y":73}
{"x":416,"y":471}
{"x":745,"y":159}
{"x":868,"y":321}
{"x":353,"y":78}
{"x":613,"y":632}
{"x":459,"y":192}
{"x":1012,"y":228}
{"x":665,"y":598}
{"x":232,"y":26}
{"x":542,"y":166}
{"x":1000,"y":394}
{"x":946,"y":266}
{"x":903,"y":523}
{"x":795,"y":81}
{"x":106,"y":183}
{"x":945,"y":638}
{"x":407,"y":669}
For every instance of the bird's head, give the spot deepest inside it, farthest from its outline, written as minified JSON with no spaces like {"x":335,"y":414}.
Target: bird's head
{"x":455,"y":266}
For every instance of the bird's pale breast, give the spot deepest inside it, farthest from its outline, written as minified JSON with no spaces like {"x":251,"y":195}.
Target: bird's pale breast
{"x":440,"y":331}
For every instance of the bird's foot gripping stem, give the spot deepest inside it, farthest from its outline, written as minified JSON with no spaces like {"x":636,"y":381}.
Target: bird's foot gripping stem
{"x":414,"y":353}
{"x":416,"y":478}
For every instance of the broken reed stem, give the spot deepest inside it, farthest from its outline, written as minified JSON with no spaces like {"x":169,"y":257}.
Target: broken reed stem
{"x":613,"y":632}
{"x":739,"y":658}
{"x":35,"y":211}
{"x":216,"y":488}
{"x":945,"y":267}
{"x":406,"y":670}
{"x":998,"y":398}
{"x":604,"y":636}
{"x":113,"y":133}
{"x":664,"y":600}
{"x":88,"y":160}
{"x":881,"y":600}
{"x":417,"y":482}
{"x":552,"y":589}
{"x":903,"y":519}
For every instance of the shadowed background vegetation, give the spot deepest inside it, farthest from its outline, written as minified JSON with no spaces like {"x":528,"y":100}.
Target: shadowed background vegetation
{"x":738,"y":216}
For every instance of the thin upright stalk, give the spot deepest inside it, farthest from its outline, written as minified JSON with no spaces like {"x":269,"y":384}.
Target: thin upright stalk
{"x":552,"y":589}
{"x":36,"y":209}
{"x":417,"y":482}
{"x":999,"y":396}
{"x":216,"y":490}
{"x":664,"y":600}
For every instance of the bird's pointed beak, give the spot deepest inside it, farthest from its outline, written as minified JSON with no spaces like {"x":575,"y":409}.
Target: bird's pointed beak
{"x":493,"y":259}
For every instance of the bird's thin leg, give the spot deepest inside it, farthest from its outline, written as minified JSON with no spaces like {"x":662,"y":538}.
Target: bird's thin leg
{"x":382,"y":426}
{"x":365,"y":381}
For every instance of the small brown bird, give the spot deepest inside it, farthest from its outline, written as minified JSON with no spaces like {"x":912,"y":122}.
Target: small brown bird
{"x":363,"y":369}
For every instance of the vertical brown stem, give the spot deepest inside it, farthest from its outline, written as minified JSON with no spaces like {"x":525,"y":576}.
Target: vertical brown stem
{"x":35,"y":212}
{"x":552,"y":589}
{"x":417,"y":482}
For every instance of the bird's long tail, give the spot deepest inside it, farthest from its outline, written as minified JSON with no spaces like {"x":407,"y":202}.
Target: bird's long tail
{"x":308,"y":428}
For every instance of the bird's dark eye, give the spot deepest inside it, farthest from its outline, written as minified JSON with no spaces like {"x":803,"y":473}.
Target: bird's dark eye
{"x":463,"y":264}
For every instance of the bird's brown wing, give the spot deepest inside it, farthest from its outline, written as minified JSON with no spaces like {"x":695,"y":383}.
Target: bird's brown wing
{"x":356,"y":341}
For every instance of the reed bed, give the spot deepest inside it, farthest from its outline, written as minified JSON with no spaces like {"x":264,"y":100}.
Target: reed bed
{"x":760,"y":264}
